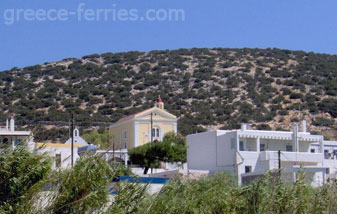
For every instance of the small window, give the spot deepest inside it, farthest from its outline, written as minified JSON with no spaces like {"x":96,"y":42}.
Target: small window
{"x":124,"y":134}
{"x":157,"y":132}
{"x":289,"y":148}
{"x":326,"y":154}
{"x":262,"y":147}
{"x":153,"y":132}
{"x":241,"y":146}
{"x":58,"y":160}
{"x":248,"y":169}
{"x":312,"y":150}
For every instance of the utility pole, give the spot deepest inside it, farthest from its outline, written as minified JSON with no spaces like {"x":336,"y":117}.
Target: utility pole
{"x":151,"y":126}
{"x":72,"y":140}
{"x":279,"y":162}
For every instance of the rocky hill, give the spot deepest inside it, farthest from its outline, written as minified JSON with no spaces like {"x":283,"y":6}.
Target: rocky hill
{"x":205,"y":88}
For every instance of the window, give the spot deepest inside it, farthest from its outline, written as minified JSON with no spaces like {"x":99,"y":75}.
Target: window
{"x":248,"y":169}
{"x":262,"y":147}
{"x":124,"y":134}
{"x":312,"y":150}
{"x":241,"y":146}
{"x":58,"y":160}
{"x":289,"y":148}
{"x":155,"y":132}
{"x":326,"y":154}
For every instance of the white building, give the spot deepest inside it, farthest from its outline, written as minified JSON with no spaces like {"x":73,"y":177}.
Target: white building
{"x":78,"y":140}
{"x":330,"y":156}
{"x":250,"y":153}
{"x":62,"y":152}
{"x":10,"y":137}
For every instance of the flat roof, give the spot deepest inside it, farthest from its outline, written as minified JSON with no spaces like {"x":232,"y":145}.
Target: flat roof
{"x":14,"y":133}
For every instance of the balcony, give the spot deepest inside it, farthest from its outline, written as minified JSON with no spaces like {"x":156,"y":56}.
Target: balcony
{"x":302,"y":157}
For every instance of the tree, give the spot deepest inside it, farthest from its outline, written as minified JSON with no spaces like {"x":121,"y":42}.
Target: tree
{"x":103,"y":139}
{"x":177,"y":147}
{"x":172,"y":149}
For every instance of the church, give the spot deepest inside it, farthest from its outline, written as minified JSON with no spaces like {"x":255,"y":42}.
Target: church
{"x":143,"y":127}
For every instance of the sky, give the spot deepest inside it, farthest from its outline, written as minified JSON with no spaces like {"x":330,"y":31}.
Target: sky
{"x":38,"y":31}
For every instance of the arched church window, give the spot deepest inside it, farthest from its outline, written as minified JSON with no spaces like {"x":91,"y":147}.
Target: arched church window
{"x":153,"y":132}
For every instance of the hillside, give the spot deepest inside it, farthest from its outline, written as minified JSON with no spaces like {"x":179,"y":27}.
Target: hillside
{"x":205,"y":88}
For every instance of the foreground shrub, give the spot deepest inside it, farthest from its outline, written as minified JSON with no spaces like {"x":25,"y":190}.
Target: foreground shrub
{"x":220,"y":194}
{"x":82,"y":189}
{"x":21,"y":173}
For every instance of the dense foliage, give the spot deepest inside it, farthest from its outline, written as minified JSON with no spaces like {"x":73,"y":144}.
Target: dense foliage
{"x":203,"y":87}
{"x":104,"y":139}
{"x":21,"y":173}
{"x":84,"y":189}
{"x":172,"y":149}
{"x":220,"y":194}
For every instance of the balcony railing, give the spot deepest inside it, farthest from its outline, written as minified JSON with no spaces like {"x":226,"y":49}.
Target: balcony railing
{"x":304,"y":157}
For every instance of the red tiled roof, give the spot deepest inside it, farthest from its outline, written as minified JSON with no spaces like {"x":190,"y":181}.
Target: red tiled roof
{"x":130,"y":116}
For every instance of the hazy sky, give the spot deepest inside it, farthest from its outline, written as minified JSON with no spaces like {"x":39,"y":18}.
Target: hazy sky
{"x":38,"y":31}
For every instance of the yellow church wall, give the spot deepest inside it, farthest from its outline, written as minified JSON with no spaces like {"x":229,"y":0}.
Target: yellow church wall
{"x":143,"y":133}
{"x":119,"y":138}
{"x":167,"y":128}
{"x":144,"y":129}
{"x":138,"y":127}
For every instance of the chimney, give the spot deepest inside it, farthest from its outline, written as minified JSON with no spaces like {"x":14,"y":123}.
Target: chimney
{"x":12,"y":125}
{"x":244,"y":126}
{"x":304,"y":126}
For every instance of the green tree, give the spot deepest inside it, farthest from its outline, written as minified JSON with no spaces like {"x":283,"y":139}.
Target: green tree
{"x":105,"y":139}
{"x":172,"y":149}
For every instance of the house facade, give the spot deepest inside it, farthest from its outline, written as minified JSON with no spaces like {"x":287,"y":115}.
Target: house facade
{"x":10,"y":137}
{"x":143,"y":127}
{"x":250,"y":153}
{"x":330,"y":156}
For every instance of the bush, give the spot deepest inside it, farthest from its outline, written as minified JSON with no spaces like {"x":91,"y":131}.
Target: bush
{"x":263,"y":127}
{"x":21,"y":174}
{"x":320,"y":121}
